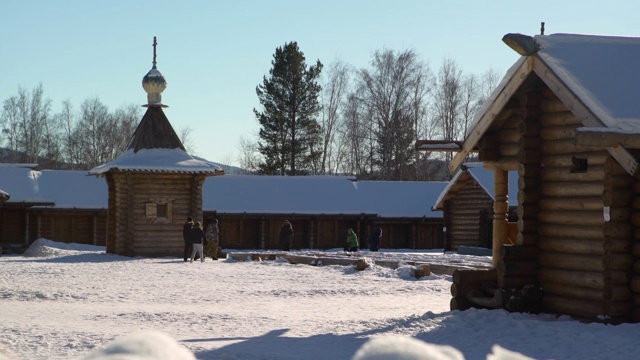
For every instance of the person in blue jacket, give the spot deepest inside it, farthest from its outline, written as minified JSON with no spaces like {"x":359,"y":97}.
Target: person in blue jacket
{"x":374,"y":239}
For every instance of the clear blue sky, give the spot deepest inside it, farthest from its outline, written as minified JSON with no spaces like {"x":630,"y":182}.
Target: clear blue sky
{"x":214,"y":53}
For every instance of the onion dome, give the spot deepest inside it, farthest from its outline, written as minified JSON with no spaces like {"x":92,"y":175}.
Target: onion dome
{"x":154,"y":83}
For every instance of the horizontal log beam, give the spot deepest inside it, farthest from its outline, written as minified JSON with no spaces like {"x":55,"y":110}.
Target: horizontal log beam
{"x":603,"y":137}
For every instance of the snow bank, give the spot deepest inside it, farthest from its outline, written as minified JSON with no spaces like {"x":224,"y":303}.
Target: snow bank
{"x":49,"y":248}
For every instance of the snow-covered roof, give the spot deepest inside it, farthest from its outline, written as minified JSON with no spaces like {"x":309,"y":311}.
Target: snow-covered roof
{"x":602,"y":71}
{"x":598,"y":73}
{"x":484,"y":178}
{"x":237,"y":194}
{"x":158,"y":160}
{"x":64,"y":188}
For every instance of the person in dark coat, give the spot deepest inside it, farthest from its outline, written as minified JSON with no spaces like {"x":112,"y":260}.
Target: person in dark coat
{"x":286,"y":236}
{"x":186,"y":236}
{"x":374,"y":239}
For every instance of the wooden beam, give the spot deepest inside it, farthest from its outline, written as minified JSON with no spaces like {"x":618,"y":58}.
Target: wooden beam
{"x":590,"y":136}
{"x":438,"y":145}
{"x":517,"y":77}
{"x":523,"y":44}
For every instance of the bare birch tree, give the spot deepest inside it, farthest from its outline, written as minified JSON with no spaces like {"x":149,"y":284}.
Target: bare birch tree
{"x":333,"y":96}
{"x":389,"y":90}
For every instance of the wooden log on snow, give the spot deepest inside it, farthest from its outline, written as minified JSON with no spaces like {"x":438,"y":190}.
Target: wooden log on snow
{"x":473,"y":276}
{"x":459,"y":303}
{"x":478,"y":297}
{"x":422,"y":270}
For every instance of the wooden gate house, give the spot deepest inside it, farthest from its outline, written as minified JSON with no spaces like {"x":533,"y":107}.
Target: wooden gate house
{"x":467,"y":206}
{"x":566,"y":118}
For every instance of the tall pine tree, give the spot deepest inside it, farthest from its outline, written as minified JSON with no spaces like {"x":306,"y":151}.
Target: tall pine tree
{"x":290,"y":135}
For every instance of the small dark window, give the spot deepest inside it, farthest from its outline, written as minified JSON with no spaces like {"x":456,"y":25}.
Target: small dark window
{"x":162,"y":211}
{"x":580,"y":165}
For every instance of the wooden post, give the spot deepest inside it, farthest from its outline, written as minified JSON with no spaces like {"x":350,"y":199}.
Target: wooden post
{"x":262,"y":233}
{"x":26,"y":228}
{"x":500,"y":211}
{"x":95,"y":229}
{"x":39,"y":225}
{"x":311,"y":233}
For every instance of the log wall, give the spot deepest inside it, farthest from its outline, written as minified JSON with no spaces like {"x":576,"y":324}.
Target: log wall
{"x":131,"y":231}
{"x":463,"y":214}
{"x":255,"y":231}
{"x":582,"y":258}
{"x":634,"y":281}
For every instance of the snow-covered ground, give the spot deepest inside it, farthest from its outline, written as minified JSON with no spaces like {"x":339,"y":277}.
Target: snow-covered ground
{"x":66,"y":301}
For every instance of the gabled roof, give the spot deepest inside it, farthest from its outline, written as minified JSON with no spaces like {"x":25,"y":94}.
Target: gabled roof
{"x":484,"y":178}
{"x":596,"y":77}
{"x":330,"y":195}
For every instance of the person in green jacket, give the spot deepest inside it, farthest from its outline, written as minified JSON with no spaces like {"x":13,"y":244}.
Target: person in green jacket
{"x":352,"y":241}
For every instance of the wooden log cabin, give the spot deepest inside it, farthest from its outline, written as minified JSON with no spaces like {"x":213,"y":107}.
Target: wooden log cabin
{"x":251,"y":209}
{"x":60,"y":205}
{"x":154,"y":185}
{"x":566,"y":117}
{"x":467,"y":206}
{"x":71,"y":207}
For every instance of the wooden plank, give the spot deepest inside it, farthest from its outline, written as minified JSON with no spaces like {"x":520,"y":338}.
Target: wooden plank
{"x":486,"y":119}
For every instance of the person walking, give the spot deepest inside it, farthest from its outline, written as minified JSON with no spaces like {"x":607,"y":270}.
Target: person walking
{"x":213,"y":239}
{"x":352,"y":241}
{"x":186,"y":236}
{"x":198,"y":241}
{"x":286,"y":236}
{"x":374,"y":239}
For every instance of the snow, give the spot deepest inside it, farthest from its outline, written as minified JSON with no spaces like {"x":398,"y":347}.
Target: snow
{"x":70,"y":301}
{"x":158,"y":160}
{"x":601,"y":71}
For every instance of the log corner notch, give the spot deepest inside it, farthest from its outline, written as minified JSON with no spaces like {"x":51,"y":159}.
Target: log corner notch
{"x":438,"y":145}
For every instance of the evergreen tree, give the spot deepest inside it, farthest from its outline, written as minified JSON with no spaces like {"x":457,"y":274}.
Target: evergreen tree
{"x":290,"y":135}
